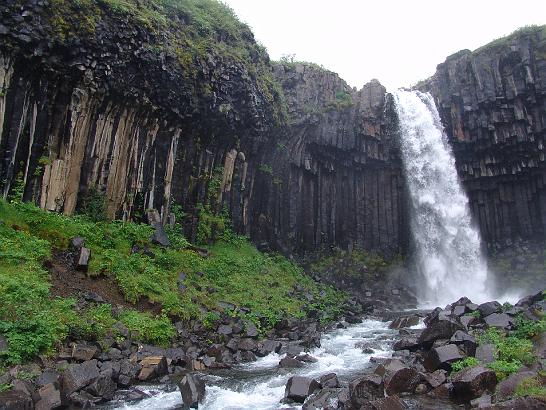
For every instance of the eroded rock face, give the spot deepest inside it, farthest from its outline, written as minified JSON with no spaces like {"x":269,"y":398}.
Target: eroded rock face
{"x":491,"y":102}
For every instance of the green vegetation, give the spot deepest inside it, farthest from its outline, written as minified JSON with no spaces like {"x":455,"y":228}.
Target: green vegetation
{"x":538,"y":33}
{"x":355,"y":264}
{"x":266,"y":169}
{"x":531,"y":386}
{"x":464,"y":363}
{"x":235,"y":272}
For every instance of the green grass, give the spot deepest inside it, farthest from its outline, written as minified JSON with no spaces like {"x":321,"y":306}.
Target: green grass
{"x":358,"y":263}
{"x":464,"y":363}
{"x":537,"y":33}
{"x":234,"y":272}
{"x":531,"y":386}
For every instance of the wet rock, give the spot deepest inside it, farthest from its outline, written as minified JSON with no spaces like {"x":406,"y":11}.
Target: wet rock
{"x":421,"y":388}
{"x":406,"y":343}
{"x":192,"y":389}
{"x":84,"y":399}
{"x":15,"y":400}
{"x":404,"y":321}
{"x":397,"y":377}
{"x":298,"y":388}
{"x":443,"y":391}
{"x":442,"y":357}
{"x":365,"y":389}
{"x":153,"y":367}
{"x":320,"y":400}
{"x":306,"y":358}
{"x":490,"y":307}
{"x":78,"y":376}
{"x":472,"y":382}
{"x":386,"y":403}
{"x":329,"y":380}
{"x":290,"y":362}
{"x":247,"y":344}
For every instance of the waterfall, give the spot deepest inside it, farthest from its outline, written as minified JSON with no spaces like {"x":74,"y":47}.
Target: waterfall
{"x":447,"y":245}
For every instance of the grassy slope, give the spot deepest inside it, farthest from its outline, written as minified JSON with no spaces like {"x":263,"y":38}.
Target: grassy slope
{"x":235,"y":272}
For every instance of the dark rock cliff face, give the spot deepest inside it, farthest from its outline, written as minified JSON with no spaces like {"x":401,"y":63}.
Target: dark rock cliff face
{"x":111,"y":111}
{"x":492,"y":103}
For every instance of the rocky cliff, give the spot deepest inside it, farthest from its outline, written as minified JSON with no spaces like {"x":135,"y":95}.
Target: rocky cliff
{"x":492,"y":103}
{"x":149,"y":105}
{"x":97,"y":99}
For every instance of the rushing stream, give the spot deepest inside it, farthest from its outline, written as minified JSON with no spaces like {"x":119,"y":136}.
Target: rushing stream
{"x":260,"y":385}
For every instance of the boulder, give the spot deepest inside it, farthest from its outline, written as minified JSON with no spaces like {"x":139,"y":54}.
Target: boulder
{"x":436,"y":378}
{"x":521,"y":403}
{"x":320,"y":400}
{"x":329,"y":380}
{"x":490,"y":307}
{"x":306,"y":358}
{"x":499,"y":320}
{"x":159,"y":236}
{"x":83,"y":353}
{"x":290,"y":363}
{"x":365,"y":389}
{"x":468,"y":342}
{"x":82,"y":262}
{"x":78,"y":376}
{"x":15,"y":400}
{"x":442,"y":357}
{"x":440,"y":329}
{"x":84,"y":400}
{"x":251,"y":330}
{"x":247,"y":344}
{"x":397,"y":377}
{"x":506,"y":388}
{"x":481,"y":402}
{"x":153,"y":367}
{"x":77,"y":242}
{"x":192,"y":389}
{"x":225,"y":330}
{"x":386,"y":403}
{"x":472,"y":382}
{"x":103,"y":387}
{"x":47,"y":377}
{"x":298,"y":388}
{"x":404,"y":321}
{"x":406,"y":343}
{"x":47,"y":397}
{"x":485,"y":353}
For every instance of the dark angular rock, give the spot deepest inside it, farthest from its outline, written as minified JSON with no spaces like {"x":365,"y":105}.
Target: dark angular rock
{"x":485,"y":353}
{"x":160,"y":236}
{"x":290,"y":362}
{"x":15,"y":400}
{"x":406,"y":343}
{"x":499,"y":320}
{"x":225,"y":330}
{"x":77,"y":242}
{"x":306,"y":358}
{"x":251,"y":330}
{"x":467,"y":341}
{"x":84,"y":399}
{"x":506,"y":388}
{"x":441,"y":329}
{"x":490,"y":307}
{"x":153,"y":367}
{"x":397,"y":377}
{"x":320,"y":400}
{"x":521,"y":403}
{"x":192,"y":389}
{"x":436,"y":378}
{"x":442,"y":357}
{"x":247,"y":344}
{"x":329,"y":380}
{"x":298,"y":388}
{"x":481,"y":402}
{"x":404,"y":321}
{"x":365,"y":389}
{"x":386,"y":403}
{"x":83,"y":259}
{"x":83,"y":353}
{"x":48,"y":397}
{"x":103,"y":387}
{"x":472,"y":382}
{"x":78,"y":376}
{"x":47,"y":377}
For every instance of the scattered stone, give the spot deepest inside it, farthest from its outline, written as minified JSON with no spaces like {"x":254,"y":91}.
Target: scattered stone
{"x":159,"y":236}
{"x":440,"y":329}
{"x":499,"y":320}
{"x":442,"y":357}
{"x":83,"y":353}
{"x":387,"y":403}
{"x":365,"y":389}
{"x":47,"y":397}
{"x":78,"y":376}
{"x":397,"y":377}
{"x":485,"y":353}
{"x":251,"y":329}
{"x":83,"y":259}
{"x":329,"y":380}
{"x":84,"y":399}
{"x":15,"y":400}
{"x":319,"y":400}
{"x":490,"y":307}
{"x":472,"y":382}
{"x":404,"y":321}
{"x":103,"y":387}
{"x":290,"y":363}
{"x":192,"y":389}
{"x":436,"y":378}
{"x":298,"y":388}
{"x":225,"y":330}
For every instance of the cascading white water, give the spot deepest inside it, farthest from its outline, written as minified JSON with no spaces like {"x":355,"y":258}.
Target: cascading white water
{"x":447,"y":243}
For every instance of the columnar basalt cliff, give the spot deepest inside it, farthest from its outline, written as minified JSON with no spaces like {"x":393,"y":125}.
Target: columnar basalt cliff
{"x":492,"y":103}
{"x":114,"y":111}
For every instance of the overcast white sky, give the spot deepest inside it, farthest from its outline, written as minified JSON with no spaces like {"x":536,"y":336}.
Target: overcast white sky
{"x":397,"y":42}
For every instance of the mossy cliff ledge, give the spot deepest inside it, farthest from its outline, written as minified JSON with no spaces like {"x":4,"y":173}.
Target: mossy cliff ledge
{"x":148,"y":103}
